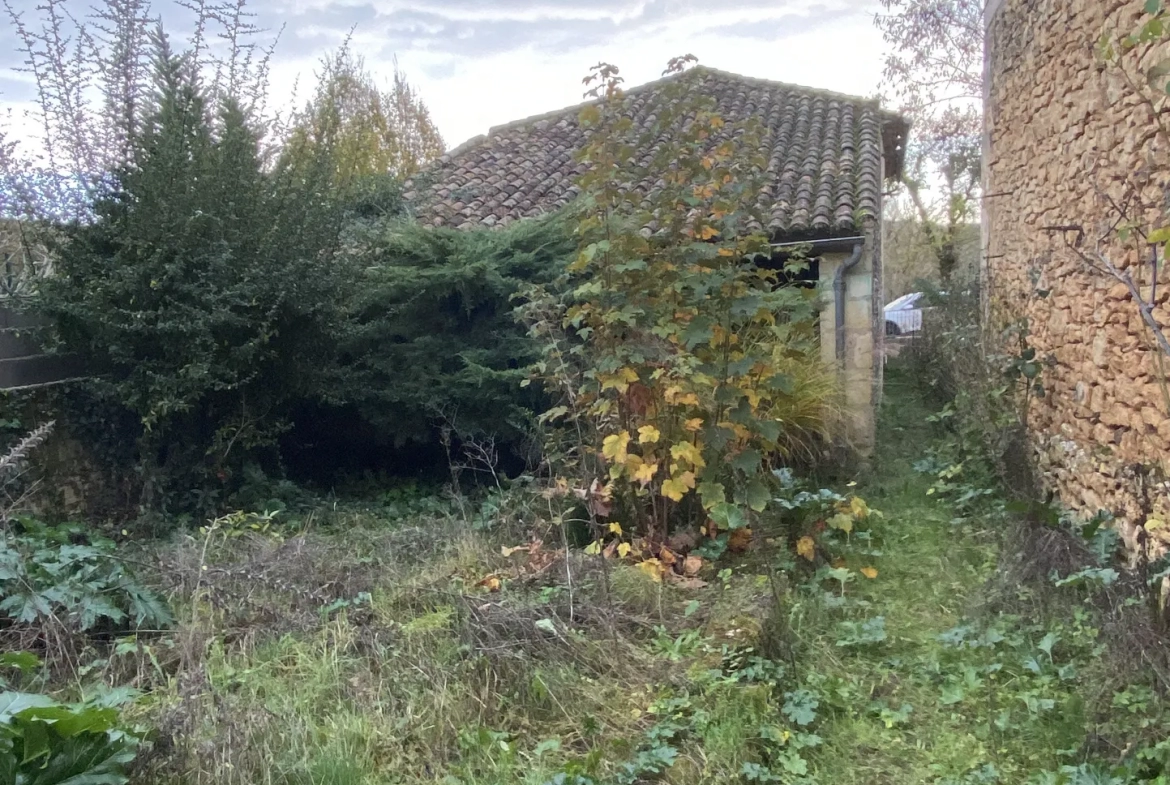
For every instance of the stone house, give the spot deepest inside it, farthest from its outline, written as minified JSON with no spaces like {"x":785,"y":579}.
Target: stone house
{"x":828,"y":158}
{"x":1069,"y":147}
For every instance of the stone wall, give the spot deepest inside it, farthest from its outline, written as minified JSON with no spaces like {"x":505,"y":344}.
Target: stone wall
{"x":1065,"y":139}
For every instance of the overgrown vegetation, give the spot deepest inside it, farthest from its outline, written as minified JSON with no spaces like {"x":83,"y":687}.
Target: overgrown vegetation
{"x":680,"y":360}
{"x":649,"y":592}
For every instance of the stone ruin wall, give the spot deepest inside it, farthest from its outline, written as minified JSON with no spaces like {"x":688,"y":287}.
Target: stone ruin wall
{"x":1063,"y":133}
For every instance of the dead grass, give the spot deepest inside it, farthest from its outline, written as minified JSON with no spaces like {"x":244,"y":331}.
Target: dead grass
{"x":337,"y":656}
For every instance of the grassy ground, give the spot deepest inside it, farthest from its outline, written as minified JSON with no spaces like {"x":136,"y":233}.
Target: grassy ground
{"x":418,"y":651}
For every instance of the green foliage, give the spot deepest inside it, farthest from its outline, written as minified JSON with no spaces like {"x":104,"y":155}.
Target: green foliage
{"x":434,"y":341}
{"x":61,"y":575}
{"x":204,"y":292}
{"x":45,"y":742}
{"x":368,"y":130}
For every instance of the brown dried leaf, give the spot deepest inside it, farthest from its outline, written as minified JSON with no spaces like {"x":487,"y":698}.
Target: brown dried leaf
{"x":739,"y":540}
{"x":684,"y":582}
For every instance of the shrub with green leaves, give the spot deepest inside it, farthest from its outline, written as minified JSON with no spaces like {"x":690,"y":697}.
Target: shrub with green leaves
{"x":205,"y":291}
{"x":435,"y":339}
{"x":61,"y":575}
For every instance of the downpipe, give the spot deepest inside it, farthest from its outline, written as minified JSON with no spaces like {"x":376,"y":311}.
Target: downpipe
{"x":839,"y":300}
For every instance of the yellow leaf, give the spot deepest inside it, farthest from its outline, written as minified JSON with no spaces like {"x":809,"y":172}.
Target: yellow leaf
{"x":806,"y":547}
{"x":593,"y":548}
{"x":645,"y":473}
{"x":623,"y":550}
{"x":858,"y":507}
{"x":689,"y":453}
{"x":615,"y":528}
{"x":614,"y":447}
{"x":620,"y":381}
{"x":676,"y":397}
{"x":1153,"y":524}
{"x":841,"y":521}
{"x":676,"y":487}
{"x":491,"y":583}
{"x":708,"y":232}
{"x":653,"y":568}
{"x":648,"y":434}
{"x":869,"y":572}
{"x":693,"y":424}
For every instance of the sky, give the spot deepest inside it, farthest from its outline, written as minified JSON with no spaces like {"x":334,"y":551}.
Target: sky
{"x":480,"y":63}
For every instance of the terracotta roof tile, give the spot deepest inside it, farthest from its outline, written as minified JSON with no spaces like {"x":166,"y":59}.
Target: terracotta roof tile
{"x":823,"y":151}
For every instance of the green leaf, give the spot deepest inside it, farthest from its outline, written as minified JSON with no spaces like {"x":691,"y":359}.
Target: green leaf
{"x":12,"y":703}
{"x":747,"y":462}
{"x":711,"y":493}
{"x":728,"y":516}
{"x":800,"y":706}
{"x":24,"y":661}
{"x":1159,"y":235}
{"x":952,"y":694}
{"x":1153,"y":6}
{"x":756,"y":495}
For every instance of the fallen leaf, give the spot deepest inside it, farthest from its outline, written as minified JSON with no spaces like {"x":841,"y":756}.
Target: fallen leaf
{"x":593,"y":548}
{"x":491,"y":583}
{"x":666,"y":556}
{"x":598,"y":499}
{"x":869,"y":572}
{"x":838,"y":563}
{"x":692,"y":565}
{"x":806,"y":547}
{"x":623,"y":550}
{"x":610,"y":549}
{"x":739,"y":539}
{"x":653,"y":568}
{"x":684,"y":582}
{"x":530,"y":548}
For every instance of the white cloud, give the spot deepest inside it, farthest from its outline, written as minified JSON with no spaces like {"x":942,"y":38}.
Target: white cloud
{"x":831,"y":45}
{"x":480,"y":63}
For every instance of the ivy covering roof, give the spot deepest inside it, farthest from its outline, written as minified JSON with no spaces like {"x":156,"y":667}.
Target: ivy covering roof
{"x":825,"y":154}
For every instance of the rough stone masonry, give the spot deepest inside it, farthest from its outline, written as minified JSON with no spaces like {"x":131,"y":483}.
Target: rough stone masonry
{"x":1067,"y":141}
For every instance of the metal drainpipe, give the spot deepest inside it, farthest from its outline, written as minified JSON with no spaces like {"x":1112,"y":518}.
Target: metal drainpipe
{"x":839,"y":299}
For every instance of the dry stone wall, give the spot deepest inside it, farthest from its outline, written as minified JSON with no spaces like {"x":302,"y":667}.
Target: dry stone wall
{"x":1068,"y":141}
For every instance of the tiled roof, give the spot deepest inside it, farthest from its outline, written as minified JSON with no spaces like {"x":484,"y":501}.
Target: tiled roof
{"x":824,"y":152}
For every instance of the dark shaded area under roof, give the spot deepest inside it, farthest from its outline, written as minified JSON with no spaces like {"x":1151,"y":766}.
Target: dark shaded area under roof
{"x":824,"y":150}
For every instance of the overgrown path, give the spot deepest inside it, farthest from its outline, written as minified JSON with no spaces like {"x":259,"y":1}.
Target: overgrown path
{"x":958,"y":690}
